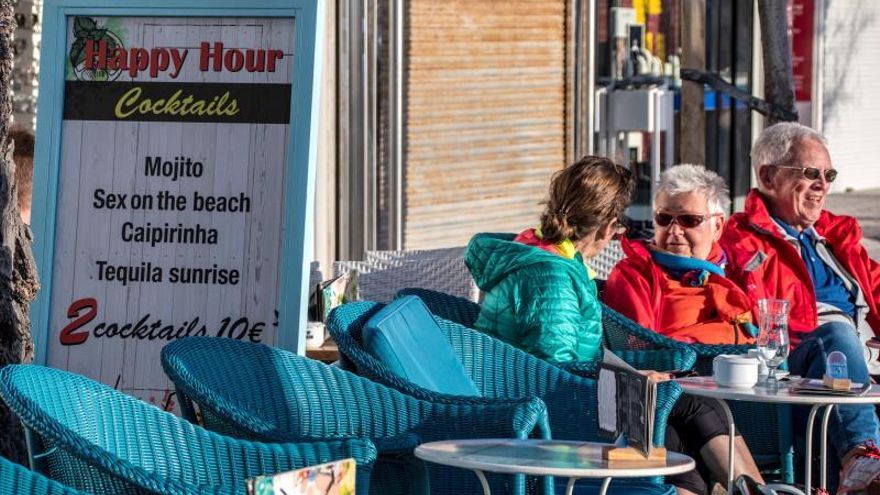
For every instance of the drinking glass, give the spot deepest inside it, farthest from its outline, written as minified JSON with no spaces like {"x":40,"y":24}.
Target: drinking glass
{"x":772,"y":340}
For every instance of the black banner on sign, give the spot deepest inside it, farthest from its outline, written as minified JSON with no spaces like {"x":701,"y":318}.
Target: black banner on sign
{"x":177,"y":102}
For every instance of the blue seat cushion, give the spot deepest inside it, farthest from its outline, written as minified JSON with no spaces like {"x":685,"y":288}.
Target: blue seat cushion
{"x":404,"y":337}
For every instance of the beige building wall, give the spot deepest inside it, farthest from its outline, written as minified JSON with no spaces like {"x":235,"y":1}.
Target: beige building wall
{"x":851,"y":90}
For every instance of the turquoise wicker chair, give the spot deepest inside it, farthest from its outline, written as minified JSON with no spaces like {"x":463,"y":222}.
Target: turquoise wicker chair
{"x":90,"y":437}
{"x":500,"y":371}
{"x":15,"y":479}
{"x":260,"y":392}
{"x":643,"y":348}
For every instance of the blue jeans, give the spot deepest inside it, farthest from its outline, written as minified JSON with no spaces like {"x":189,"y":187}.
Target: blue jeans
{"x":850,"y":426}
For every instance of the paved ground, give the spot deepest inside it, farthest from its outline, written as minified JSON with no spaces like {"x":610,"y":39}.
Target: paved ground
{"x":865,"y":206}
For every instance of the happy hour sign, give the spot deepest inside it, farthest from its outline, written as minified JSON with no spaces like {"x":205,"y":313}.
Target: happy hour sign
{"x":172,"y":186}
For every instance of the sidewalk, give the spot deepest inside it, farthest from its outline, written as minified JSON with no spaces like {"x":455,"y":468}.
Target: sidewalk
{"x":865,"y":206}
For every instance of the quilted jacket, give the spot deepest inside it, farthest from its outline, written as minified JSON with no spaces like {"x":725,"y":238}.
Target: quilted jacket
{"x":540,"y":302}
{"x":710,"y":313}
{"x":763,"y":263}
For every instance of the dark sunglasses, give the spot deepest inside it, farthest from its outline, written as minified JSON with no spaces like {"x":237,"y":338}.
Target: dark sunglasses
{"x":813,"y":173}
{"x":687,"y":221}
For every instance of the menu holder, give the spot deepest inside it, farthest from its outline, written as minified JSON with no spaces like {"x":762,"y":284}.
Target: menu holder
{"x":332,"y":478}
{"x":630,"y":454}
{"x":818,"y":387}
{"x":627,"y":406}
{"x":836,"y":383}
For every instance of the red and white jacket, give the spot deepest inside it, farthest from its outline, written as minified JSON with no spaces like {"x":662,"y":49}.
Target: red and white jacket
{"x":765,"y":264}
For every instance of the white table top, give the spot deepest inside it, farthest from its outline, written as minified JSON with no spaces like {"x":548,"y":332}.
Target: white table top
{"x":545,"y":458}
{"x":705,"y":386}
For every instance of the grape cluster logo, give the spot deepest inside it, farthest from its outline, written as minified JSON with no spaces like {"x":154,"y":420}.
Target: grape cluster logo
{"x":86,"y":29}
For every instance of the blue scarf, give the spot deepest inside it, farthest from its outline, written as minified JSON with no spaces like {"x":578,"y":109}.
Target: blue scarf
{"x":690,"y":271}
{"x":695,"y":273}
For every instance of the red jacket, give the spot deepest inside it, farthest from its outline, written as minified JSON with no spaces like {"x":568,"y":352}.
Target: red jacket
{"x":783,"y":274}
{"x":713,"y":313}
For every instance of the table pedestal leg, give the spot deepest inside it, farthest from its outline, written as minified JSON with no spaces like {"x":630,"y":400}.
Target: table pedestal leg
{"x":569,"y":488}
{"x":808,"y":468}
{"x":823,"y":449}
{"x":602,"y":490}
{"x":731,"y":445}
{"x":483,"y":481}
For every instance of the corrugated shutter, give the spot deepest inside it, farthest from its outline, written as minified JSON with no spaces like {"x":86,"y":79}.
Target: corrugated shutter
{"x":485,"y":121}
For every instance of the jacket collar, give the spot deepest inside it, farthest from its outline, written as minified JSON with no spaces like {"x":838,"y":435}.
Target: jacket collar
{"x":758,"y":214}
{"x":534,"y":237}
{"x":759,"y":218}
{"x":643,"y":251}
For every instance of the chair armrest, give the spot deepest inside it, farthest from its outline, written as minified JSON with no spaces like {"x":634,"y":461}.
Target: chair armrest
{"x":712,"y":350}
{"x":620,"y":332}
{"x":516,"y":420}
{"x":585,"y":369}
{"x":405,"y":443}
{"x":659,"y":359}
{"x":667,"y":394}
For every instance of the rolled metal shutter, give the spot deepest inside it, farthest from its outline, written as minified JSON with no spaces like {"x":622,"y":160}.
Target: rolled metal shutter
{"x":485,"y":116}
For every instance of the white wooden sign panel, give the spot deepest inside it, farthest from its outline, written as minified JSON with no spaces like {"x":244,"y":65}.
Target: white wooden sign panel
{"x":171,"y":190}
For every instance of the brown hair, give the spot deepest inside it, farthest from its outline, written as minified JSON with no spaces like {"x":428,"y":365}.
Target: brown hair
{"x":585,"y":196}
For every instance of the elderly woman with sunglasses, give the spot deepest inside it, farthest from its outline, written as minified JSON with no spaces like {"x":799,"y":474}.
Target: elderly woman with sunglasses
{"x":675,"y":285}
{"x":786,"y":245}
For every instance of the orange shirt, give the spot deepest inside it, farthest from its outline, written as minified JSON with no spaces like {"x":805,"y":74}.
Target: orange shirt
{"x":713,"y":313}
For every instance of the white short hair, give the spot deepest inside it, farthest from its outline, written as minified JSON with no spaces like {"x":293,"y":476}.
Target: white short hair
{"x":774,"y":145}
{"x":687,"y":178}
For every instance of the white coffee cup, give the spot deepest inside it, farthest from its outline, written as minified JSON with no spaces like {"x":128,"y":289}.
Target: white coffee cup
{"x":737,"y":371}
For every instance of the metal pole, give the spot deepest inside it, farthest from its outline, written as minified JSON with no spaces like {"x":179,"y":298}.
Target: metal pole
{"x":731,"y":444}
{"x":483,"y":481}
{"x":590,"y":83}
{"x":395,"y":124}
{"x":808,"y":469}
{"x":823,"y":447}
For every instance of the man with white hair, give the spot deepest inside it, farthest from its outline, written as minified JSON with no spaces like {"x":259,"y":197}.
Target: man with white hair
{"x":786,"y":246}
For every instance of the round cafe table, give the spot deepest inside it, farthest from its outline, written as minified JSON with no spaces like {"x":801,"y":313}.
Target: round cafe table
{"x":705,"y":386}
{"x":568,"y":459}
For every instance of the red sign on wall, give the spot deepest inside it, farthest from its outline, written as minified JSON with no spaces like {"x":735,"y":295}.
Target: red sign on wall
{"x":801,"y":22}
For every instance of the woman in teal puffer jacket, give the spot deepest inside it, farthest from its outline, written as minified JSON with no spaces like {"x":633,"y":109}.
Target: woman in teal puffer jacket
{"x":540,"y":297}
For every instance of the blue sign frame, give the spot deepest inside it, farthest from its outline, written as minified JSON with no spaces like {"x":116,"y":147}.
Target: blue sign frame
{"x":296,"y":251}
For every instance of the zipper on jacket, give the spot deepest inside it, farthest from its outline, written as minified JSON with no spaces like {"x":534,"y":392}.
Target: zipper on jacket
{"x":803,"y":268}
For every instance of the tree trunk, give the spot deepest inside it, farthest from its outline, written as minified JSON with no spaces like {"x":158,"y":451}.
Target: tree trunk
{"x":776,"y":48}
{"x":18,"y":272}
